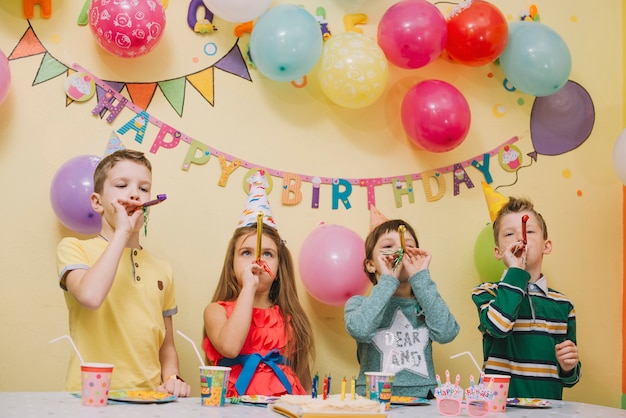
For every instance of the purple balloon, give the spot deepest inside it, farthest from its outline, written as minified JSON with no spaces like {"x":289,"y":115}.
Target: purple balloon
{"x":561,"y":121}
{"x":70,"y":194}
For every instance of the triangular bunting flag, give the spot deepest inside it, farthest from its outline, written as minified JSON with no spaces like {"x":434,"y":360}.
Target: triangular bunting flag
{"x":28,"y":46}
{"x":49,"y":68}
{"x":203,"y":82}
{"x":141,"y":94}
{"x":174,"y":92}
{"x":234,"y":63}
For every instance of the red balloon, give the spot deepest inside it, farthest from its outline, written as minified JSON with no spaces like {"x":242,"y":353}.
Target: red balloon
{"x":477,"y":33}
{"x":435,"y":116}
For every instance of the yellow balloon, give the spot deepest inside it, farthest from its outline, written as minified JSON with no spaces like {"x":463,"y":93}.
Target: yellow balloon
{"x":353,"y":71}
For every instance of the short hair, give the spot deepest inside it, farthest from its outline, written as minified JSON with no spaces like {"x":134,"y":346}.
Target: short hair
{"x":517,"y":205}
{"x":108,"y":162}
{"x":374,"y":236}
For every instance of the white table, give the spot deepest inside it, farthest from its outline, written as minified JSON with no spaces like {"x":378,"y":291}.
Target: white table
{"x":62,"y":404}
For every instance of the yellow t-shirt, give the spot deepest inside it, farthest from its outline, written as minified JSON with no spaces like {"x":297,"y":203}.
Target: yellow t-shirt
{"x":128,"y":329}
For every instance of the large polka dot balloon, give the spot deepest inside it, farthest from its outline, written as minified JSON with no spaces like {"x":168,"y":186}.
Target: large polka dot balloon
{"x":127,"y":28}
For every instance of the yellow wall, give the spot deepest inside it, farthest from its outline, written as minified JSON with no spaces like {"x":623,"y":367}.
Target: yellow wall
{"x":298,"y":130}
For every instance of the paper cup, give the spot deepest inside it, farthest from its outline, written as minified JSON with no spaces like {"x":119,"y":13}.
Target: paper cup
{"x":378,"y":387}
{"x":95,"y":381}
{"x":213,"y":385}
{"x":499,"y":384}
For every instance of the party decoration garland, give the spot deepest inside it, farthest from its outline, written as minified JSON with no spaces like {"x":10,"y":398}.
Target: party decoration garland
{"x":141,"y":93}
{"x":111,"y":103}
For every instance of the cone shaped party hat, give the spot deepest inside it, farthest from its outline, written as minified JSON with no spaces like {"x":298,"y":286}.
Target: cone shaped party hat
{"x":495,"y":201}
{"x":113,"y":145}
{"x":257,"y":202}
{"x":376,"y":218}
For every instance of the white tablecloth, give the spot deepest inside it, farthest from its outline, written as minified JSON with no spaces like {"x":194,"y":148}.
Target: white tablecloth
{"x":61,"y":404}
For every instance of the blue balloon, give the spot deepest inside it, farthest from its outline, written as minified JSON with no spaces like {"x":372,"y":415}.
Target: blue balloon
{"x":286,"y":43}
{"x":536,"y":59}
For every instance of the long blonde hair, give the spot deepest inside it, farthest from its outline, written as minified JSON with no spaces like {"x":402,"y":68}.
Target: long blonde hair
{"x":283,"y":292}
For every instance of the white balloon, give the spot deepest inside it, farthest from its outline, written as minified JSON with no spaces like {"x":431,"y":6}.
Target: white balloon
{"x":619,"y":156}
{"x":237,"y":10}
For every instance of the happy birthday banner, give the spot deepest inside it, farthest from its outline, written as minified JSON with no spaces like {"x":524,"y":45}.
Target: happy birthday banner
{"x":199,"y":153}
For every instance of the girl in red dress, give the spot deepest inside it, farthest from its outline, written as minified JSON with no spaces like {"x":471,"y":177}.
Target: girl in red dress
{"x":255,"y":323}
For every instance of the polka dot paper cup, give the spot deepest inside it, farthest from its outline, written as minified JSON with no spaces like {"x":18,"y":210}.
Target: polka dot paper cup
{"x":96,"y":380}
{"x":499,"y":384}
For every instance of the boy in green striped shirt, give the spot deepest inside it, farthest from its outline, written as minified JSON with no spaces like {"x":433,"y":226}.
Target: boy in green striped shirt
{"x":529,"y":330}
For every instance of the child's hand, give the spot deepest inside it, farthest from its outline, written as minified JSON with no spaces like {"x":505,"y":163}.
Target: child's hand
{"x":251,"y":274}
{"x":515,"y":255}
{"x":415,"y":259}
{"x":385,"y":263}
{"x":175,"y":387}
{"x":127,"y":218}
{"x":567,"y":355}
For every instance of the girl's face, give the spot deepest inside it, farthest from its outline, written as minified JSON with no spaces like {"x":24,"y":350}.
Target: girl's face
{"x":245,"y":254}
{"x":388,"y":243}
{"x":511,"y":232}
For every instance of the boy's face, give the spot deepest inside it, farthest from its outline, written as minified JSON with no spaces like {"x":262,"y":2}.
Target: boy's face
{"x":388,"y":243}
{"x":128,"y":183}
{"x":511,"y":232}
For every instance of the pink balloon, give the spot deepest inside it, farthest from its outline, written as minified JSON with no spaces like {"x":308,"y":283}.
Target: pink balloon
{"x":127,"y":28}
{"x":435,"y":116}
{"x":5,"y":77}
{"x":331,"y":264}
{"x":70,"y":195}
{"x":412,"y":33}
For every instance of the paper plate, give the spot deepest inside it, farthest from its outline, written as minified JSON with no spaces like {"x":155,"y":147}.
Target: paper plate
{"x":528,"y":403}
{"x":141,"y":396}
{"x":258,"y":399}
{"x":409,"y":400}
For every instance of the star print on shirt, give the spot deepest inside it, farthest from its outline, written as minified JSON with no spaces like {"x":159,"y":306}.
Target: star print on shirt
{"x":402,"y":346}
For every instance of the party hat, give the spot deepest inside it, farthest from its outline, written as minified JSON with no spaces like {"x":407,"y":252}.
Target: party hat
{"x":376,"y":218}
{"x":495,"y":201}
{"x":113,"y":145}
{"x":257,"y":202}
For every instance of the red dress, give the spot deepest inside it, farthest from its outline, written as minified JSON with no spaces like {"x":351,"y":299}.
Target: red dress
{"x":267,"y":333}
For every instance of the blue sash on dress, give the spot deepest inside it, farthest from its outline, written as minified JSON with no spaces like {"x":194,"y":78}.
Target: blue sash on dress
{"x":250,"y":363}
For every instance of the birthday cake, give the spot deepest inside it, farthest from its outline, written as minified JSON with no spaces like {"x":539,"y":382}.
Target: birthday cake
{"x":304,"y":406}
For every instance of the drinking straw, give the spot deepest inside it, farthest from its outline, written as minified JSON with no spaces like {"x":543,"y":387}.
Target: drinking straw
{"x":472,"y":357}
{"x":73,"y":345}
{"x":194,"y":347}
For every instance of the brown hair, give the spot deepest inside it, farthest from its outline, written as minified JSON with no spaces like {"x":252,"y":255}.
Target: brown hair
{"x":517,"y":205}
{"x":374,"y":236}
{"x":108,"y":162}
{"x":300,"y":344}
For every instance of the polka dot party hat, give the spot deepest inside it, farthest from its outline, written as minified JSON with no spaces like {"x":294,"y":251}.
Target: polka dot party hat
{"x":257,"y":202}
{"x":495,"y":201}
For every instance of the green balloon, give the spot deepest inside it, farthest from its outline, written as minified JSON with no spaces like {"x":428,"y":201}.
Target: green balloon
{"x":489,"y":269}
